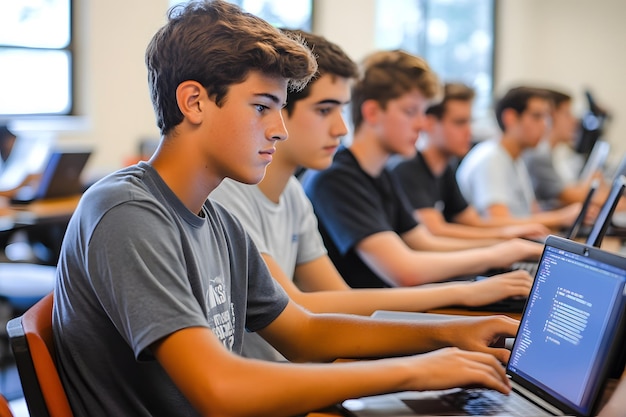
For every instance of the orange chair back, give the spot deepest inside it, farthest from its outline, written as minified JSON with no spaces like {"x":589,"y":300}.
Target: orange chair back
{"x":31,"y":341}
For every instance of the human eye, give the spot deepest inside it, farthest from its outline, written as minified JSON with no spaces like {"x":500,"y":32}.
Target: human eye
{"x":411,"y":111}
{"x":261,"y":108}
{"x":325,"y":111}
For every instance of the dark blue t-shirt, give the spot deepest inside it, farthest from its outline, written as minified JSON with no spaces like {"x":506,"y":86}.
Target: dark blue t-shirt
{"x":351,"y":205}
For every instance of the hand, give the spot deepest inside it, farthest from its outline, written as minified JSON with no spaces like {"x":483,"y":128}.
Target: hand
{"x":516,"y":250}
{"x":569,"y":213}
{"x":498,"y":287}
{"x":451,"y":367}
{"x":481,"y":334}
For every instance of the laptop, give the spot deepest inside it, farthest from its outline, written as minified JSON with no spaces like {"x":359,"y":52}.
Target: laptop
{"x":568,"y":340}
{"x":516,"y":304}
{"x":605,"y":215}
{"x":596,"y":160}
{"x":60,"y":178}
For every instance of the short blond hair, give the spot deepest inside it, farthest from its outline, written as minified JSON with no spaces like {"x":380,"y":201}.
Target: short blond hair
{"x":387,"y":75}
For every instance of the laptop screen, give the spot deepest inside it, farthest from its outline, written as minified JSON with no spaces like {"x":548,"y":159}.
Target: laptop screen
{"x":603,"y":220}
{"x":571,"y":318}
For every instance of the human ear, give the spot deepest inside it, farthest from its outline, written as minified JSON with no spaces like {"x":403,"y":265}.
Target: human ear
{"x":370,"y":109}
{"x":509,"y":116}
{"x":189,"y":97}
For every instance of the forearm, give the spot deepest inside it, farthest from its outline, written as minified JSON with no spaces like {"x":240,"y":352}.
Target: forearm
{"x":294,"y":389}
{"x":461,"y":231}
{"x":367,"y":301}
{"x":329,"y":337}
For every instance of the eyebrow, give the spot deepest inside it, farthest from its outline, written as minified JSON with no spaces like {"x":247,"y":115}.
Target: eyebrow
{"x":332,"y":101}
{"x":272,"y":97}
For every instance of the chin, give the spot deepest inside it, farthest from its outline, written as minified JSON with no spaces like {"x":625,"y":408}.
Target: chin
{"x":408,"y":152}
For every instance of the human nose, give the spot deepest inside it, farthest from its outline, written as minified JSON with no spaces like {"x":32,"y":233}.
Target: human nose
{"x":419,"y":121}
{"x":277,"y":130}
{"x":339,"y":127}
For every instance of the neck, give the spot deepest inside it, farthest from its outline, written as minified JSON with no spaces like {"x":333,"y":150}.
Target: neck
{"x":512,"y":146}
{"x":277,"y":175}
{"x":368,"y":151}
{"x":436,"y":160}
{"x":188,"y":181}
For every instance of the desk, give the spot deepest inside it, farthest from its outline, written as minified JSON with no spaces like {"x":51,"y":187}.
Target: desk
{"x":41,"y":211}
{"x":44,"y":221}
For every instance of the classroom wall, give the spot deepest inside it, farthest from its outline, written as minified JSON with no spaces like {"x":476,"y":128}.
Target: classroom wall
{"x":571,"y":43}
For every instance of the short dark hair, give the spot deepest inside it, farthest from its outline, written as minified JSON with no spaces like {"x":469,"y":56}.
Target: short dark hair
{"x":558,"y":97}
{"x":331,"y":59}
{"x":217,"y":44}
{"x":517,"y":98}
{"x":451,"y":91}
{"x":387,"y":75}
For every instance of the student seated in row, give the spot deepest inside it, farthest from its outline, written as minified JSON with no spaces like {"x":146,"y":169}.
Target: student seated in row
{"x":157,"y":284}
{"x":365,"y":221}
{"x":493,"y":176}
{"x":280,"y":219}
{"x":429,"y":182}
{"x":551,"y":186}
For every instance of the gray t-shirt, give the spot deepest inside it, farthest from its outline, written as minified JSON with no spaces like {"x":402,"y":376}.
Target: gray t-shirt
{"x":547,"y":183}
{"x":137,"y":265}
{"x":488,"y":175}
{"x":286,"y":231}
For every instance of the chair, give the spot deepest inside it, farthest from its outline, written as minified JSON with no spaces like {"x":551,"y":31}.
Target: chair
{"x":5,"y":410}
{"x":30,"y":336}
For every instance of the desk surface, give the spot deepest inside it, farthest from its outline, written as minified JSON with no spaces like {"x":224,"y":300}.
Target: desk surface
{"x":40,"y":211}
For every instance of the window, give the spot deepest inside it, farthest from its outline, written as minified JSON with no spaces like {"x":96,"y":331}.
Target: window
{"x":455,"y":37}
{"x":292,"y":14}
{"x":35,"y":57}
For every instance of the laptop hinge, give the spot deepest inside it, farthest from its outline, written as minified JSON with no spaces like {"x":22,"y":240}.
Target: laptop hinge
{"x":536,"y":399}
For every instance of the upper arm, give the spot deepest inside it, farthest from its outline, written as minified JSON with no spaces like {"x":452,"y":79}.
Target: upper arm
{"x":386,"y":254}
{"x":198,"y":364}
{"x":430,"y":217}
{"x":468,"y":217}
{"x":319,"y":274}
{"x":498,"y":210}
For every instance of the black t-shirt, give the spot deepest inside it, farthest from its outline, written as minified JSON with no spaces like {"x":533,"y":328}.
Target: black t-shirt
{"x":424,"y":189}
{"x":351,"y":205}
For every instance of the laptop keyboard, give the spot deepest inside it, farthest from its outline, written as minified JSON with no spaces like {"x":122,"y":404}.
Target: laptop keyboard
{"x":485,"y":402}
{"x":530,"y":267}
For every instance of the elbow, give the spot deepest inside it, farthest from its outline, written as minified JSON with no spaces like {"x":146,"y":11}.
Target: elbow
{"x":405,"y":277}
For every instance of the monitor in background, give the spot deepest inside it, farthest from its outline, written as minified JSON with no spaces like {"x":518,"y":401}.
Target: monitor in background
{"x":603,"y":221}
{"x":591,"y":126}
{"x":596,"y":160}
{"x":60,"y":178}
{"x":575,"y":228}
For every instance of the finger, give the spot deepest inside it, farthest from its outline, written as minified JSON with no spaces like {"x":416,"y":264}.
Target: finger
{"x":489,"y":372}
{"x":501,"y":354}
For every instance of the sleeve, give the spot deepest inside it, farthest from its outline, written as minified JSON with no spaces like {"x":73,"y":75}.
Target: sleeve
{"x":348,"y":209}
{"x":455,"y":201}
{"x":488,"y":182}
{"x":141,"y":282}
{"x":413,"y":184}
{"x":546,"y":181}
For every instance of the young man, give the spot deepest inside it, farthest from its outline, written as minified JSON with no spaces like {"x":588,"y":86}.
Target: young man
{"x":280,"y":219}
{"x":156,"y":284}
{"x":428,"y":178}
{"x":551,"y":188}
{"x":366,"y":225}
{"x":493,"y":176}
